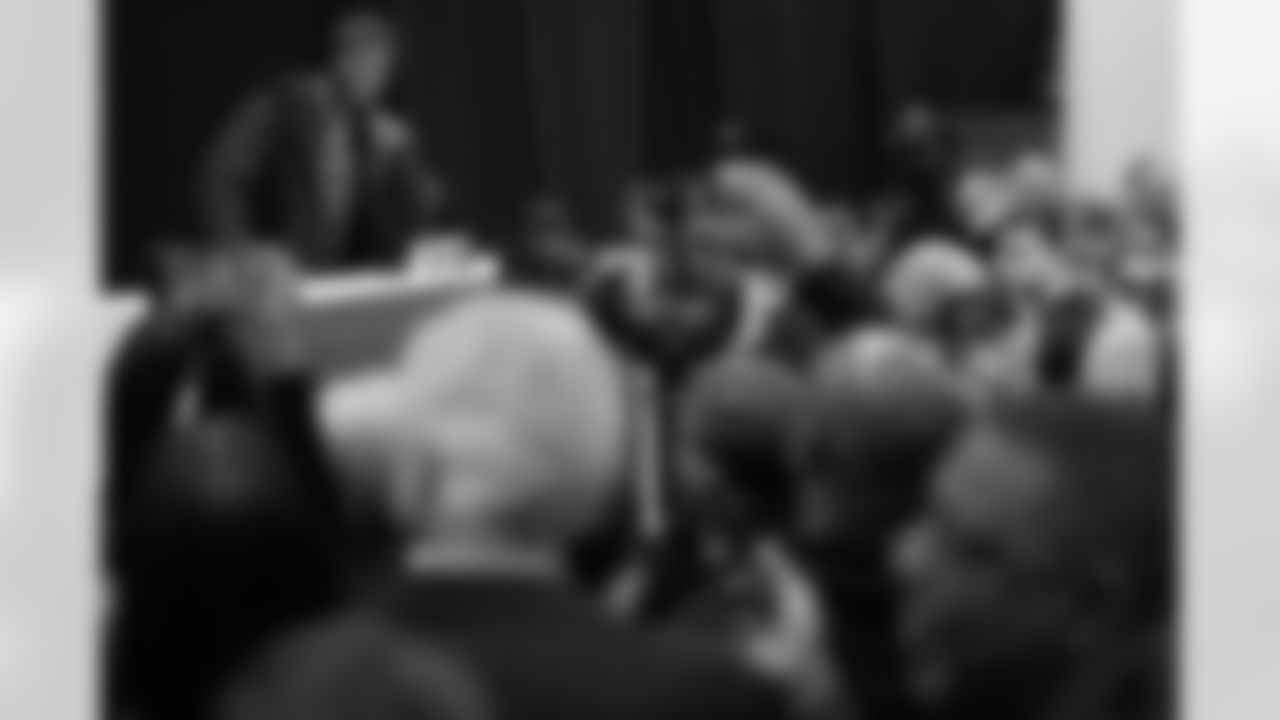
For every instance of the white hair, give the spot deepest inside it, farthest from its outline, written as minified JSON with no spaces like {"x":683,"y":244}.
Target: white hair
{"x":507,"y":408}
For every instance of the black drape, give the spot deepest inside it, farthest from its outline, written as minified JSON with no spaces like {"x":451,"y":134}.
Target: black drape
{"x":528,"y":98}
{"x":469,"y":93}
{"x":803,"y":75}
{"x":993,"y":55}
{"x":682,"y":86}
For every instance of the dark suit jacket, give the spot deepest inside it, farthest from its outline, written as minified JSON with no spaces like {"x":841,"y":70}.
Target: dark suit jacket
{"x":541,"y":653}
{"x":357,"y":668}
{"x":196,"y":594}
{"x":277,"y":170}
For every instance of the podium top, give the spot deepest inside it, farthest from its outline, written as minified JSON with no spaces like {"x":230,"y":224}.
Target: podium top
{"x":327,"y":291}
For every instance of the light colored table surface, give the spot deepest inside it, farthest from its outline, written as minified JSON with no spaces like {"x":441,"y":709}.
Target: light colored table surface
{"x":359,"y":319}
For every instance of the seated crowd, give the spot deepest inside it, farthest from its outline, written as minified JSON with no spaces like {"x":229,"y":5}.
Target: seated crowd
{"x":765,"y":459}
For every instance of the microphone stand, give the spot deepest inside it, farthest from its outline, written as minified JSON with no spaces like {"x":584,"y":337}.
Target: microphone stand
{"x":697,"y":316}
{"x":679,"y":319}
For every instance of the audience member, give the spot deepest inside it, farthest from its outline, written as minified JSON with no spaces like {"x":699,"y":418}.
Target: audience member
{"x":984,"y":202}
{"x":740,"y":428}
{"x":923,"y":163}
{"x":507,"y":444}
{"x":223,"y":522}
{"x":360,"y":669}
{"x":886,"y":407}
{"x":555,"y":257}
{"x":218,"y":553}
{"x":770,"y":196}
{"x":882,"y":394}
{"x":927,"y":279}
{"x":733,"y":476}
{"x":1044,"y":558}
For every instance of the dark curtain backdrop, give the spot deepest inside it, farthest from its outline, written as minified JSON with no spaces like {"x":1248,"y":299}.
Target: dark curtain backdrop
{"x":803,"y":75}
{"x":574,"y":99}
{"x":970,"y":54}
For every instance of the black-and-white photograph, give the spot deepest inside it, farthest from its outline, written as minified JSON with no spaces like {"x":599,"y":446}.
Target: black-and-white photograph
{"x":639,"y":359}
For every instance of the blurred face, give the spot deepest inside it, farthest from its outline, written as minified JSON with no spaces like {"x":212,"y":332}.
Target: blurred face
{"x":973,"y":568}
{"x":364,"y":68}
{"x":724,"y":232}
{"x":982,"y":202}
{"x":197,"y":280}
{"x":1019,"y":256}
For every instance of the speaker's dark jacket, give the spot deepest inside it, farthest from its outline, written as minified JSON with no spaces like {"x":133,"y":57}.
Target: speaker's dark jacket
{"x":539,"y":652}
{"x":283,"y":169}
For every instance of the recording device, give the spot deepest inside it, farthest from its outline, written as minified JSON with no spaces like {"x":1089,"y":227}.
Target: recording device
{"x":669,"y":312}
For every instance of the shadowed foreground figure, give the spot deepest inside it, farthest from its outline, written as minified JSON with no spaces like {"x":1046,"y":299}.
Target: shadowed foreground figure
{"x":886,"y":406}
{"x":502,"y":436}
{"x":1039,"y":581}
{"x":217,"y":554}
{"x":360,"y":669}
{"x":739,"y":428}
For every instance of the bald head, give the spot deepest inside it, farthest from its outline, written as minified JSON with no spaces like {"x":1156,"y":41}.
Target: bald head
{"x":928,"y":278}
{"x":884,"y":363}
{"x":886,"y":405}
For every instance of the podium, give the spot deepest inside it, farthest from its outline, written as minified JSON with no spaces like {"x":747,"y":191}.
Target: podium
{"x":354,"y":321}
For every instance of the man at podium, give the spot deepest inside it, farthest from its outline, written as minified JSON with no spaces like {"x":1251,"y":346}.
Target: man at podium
{"x":319,"y":164}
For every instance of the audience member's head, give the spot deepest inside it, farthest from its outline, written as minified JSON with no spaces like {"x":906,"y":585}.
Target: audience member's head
{"x":728,"y":236}
{"x":740,"y":419}
{"x":885,"y":405}
{"x":363,"y":55}
{"x":854,"y":243}
{"x":1124,"y":356}
{"x":777,"y":201}
{"x":927,"y":278}
{"x":190,"y":276}
{"x":1028,"y":266}
{"x":509,"y":423}
{"x":220,"y":551}
{"x":1036,"y":184}
{"x":983,"y":202}
{"x":216,"y":483}
{"x":357,"y":419}
{"x":1046,"y":540}
{"x":557,"y":255}
{"x":1093,"y":241}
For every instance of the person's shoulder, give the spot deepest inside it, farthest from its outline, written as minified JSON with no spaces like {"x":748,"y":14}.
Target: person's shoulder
{"x":699,"y":677}
{"x":354,"y":660}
